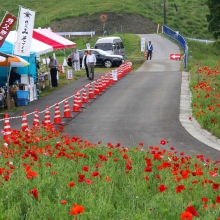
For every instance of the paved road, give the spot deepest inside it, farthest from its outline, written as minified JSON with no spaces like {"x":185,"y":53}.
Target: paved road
{"x":144,"y":107}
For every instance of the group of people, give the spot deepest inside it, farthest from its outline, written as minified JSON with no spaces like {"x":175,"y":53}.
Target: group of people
{"x":88,"y":63}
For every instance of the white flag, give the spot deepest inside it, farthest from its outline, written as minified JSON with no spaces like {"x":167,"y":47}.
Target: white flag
{"x":64,"y":62}
{"x":24,"y":33}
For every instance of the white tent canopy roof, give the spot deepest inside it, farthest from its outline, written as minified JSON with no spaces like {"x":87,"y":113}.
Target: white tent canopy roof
{"x":36,"y":45}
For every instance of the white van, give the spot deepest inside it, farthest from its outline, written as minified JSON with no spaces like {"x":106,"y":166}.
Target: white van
{"x":112,"y":45}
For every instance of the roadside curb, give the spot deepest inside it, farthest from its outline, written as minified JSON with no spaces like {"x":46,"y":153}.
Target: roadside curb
{"x":190,"y":123}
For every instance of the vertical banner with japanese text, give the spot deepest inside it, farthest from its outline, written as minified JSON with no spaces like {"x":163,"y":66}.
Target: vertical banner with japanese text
{"x":24,"y":33}
{"x":6,"y":26}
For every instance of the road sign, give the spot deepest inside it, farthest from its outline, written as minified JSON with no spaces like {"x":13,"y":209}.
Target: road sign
{"x":175,"y":56}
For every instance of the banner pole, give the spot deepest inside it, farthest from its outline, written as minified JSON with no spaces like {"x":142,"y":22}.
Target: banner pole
{"x":16,"y":28}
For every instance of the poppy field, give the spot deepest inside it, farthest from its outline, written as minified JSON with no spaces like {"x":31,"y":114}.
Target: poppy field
{"x":205,"y":88}
{"x":46,"y":174}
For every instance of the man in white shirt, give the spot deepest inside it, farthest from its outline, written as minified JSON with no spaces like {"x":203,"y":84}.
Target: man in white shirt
{"x":91,"y":62}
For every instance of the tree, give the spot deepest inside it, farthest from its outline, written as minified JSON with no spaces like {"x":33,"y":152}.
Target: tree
{"x":214,"y":18}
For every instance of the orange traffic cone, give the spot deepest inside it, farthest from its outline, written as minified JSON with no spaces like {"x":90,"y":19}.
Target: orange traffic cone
{"x":84,"y":96}
{"x":67,"y":113}
{"x":96,"y":90}
{"x":36,"y":122}
{"x":75,"y":105}
{"x":57,"y":117}
{"x":101,"y":89}
{"x":78,"y":95}
{"x":111,"y":79}
{"x":107,"y":80}
{"x":103,"y":83}
{"x":7,"y":128}
{"x":46,"y":120}
{"x":91,"y":93}
{"x":24,"y":124}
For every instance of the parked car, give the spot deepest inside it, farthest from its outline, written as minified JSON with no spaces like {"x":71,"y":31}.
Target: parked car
{"x":112,"y":45}
{"x":103,"y":59}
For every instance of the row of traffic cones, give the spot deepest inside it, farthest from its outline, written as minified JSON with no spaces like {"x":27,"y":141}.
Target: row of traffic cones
{"x":101,"y":84}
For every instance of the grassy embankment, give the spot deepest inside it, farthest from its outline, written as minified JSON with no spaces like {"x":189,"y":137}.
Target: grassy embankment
{"x":189,"y":20}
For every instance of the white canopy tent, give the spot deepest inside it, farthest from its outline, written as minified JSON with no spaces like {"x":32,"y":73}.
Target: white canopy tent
{"x":36,"y":45}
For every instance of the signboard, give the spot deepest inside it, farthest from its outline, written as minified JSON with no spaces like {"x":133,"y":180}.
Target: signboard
{"x":69,"y":74}
{"x":6,"y":26}
{"x":24,"y":33}
{"x":88,"y":46}
{"x":115,"y":75}
{"x":175,"y":56}
{"x":143,"y":44}
{"x":46,"y":61}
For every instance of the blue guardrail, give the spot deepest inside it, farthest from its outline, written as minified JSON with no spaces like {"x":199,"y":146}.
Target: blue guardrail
{"x":177,"y":37}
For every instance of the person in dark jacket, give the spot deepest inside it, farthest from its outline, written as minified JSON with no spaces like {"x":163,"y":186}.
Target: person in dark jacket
{"x":84,"y":64}
{"x":149,"y":50}
{"x":14,"y":76}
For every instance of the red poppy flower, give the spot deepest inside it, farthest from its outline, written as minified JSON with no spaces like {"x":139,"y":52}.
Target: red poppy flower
{"x":64,"y":202}
{"x":125,"y":156}
{"x":85,"y":168}
{"x":186,"y":216}
{"x":81,"y":178}
{"x":89,"y":182}
{"x":108,"y":179}
{"x":103,"y":158}
{"x":141,"y":144}
{"x":180,"y":188}
{"x":128,"y":167}
{"x":215,"y":186}
{"x":115,"y":159}
{"x":217,"y":199}
{"x":71,"y":184}
{"x":98,"y":165}
{"x":148,"y":169}
{"x":162,"y":188}
{"x":6,"y":178}
{"x":96,"y":173}
{"x":34,"y":192}
{"x":76,"y":209}
{"x":163,"y":142}
{"x":204,"y":199}
{"x":158,"y":176}
{"x":192,"y":210}
{"x":146,"y":178}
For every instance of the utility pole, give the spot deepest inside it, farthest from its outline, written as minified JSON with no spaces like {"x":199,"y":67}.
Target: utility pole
{"x":165,"y":12}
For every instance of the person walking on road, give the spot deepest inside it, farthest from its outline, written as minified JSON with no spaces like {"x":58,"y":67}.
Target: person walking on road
{"x":91,"y":62}
{"x":53,"y":64}
{"x":149,"y":50}
{"x":84,"y":64}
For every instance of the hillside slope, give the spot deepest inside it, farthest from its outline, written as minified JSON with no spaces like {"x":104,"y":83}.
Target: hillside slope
{"x":189,"y":18}
{"x":115,"y":23}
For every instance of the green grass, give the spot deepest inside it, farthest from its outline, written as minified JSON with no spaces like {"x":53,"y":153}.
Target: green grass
{"x":190,"y":19}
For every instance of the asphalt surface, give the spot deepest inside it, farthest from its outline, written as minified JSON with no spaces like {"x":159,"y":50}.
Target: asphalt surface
{"x":143,"y":106}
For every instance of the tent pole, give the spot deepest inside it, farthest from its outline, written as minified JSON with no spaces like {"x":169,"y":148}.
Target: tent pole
{"x":8,"y":92}
{"x":49,"y":77}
